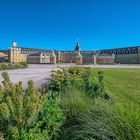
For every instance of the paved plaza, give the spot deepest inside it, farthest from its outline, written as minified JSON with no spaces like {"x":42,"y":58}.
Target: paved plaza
{"x":40,"y":73}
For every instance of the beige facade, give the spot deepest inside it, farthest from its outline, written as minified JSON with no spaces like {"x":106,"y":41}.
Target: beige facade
{"x":129,"y":55}
{"x":67,"y":57}
{"x":34,"y":59}
{"x":85,"y":57}
{"x":41,"y":58}
{"x":15,"y":54}
{"x":94,"y":59}
{"x":79,"y":58}
{"x":104,"y":58}
{"x":53,"y":58}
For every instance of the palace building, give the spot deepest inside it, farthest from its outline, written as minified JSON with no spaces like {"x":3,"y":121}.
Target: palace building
{"x":129,"y":55}
{"x":41,"y":58}
{"x":15,"y":54}
{"x":85,"y":57}
{"x":20,"y":54}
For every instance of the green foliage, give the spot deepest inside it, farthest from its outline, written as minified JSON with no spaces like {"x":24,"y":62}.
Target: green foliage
{"x":24,"y":64}
{"x":94,"y":86}
{"x":1,"y":136}
{"x":80,"y":78}
{"x":107,"y":121}
{"x":47,"y":123}
{"x":126,"y":122}
{"x":6,"y":66}
{"x":26,"y":113}
{"x":97,"y":118}
{"x":74,"y":101}
{"x":1,"y":93}
{"x":65,"y":78}
{"x":123,"y":85}
{"x":6,"y":77}
{"x":17,"y":107}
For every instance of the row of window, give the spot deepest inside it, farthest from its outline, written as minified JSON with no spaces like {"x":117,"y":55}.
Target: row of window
{"x":125,"y":52}
{"x":122,"y":51}
{"x":19,"y":60}
{"x":126,"y":55}
{"x":127,"y":61}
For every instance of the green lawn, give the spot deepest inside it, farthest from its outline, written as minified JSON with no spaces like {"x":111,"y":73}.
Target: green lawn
{"x":123,"y":85}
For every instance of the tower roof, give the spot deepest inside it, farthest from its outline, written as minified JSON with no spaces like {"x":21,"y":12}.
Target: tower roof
{"x":77,"y":48}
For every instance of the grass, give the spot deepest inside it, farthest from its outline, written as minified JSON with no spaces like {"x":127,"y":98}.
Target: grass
{"x":108,"y":121}
{"x":74,"y":102}
{"x":118,"y":118}
{"x":123,"y":85}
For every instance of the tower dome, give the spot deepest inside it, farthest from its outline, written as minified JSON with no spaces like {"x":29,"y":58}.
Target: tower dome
{"x":14,"y":44}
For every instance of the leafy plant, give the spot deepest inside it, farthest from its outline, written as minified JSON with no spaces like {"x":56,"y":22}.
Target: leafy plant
{"x":26,"y":113}
{"x":94,"y":86}
{"x":47,"y":123}
{"x":65,"y":78}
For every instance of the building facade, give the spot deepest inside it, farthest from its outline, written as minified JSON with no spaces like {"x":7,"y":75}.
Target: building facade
{"x":86,"y":57}
{"x":105,"y":58}
{"x":129,"y":55}
{"x":41,"y":58}
{"x":18,"y":54}
{"x":15,"y":54}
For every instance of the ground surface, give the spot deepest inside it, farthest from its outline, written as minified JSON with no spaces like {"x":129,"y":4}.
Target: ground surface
{"x":40,"y":73}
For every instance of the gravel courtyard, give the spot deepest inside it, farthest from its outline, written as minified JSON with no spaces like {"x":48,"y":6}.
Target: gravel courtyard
{"x":40,"y":73}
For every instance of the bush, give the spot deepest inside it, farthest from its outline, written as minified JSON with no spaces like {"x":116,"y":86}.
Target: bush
{"x":93,"y":86}
{"x":80,"y":78}
{"x":47,"y":124}
{"x":26,"y":113}
{"x":65,"y":78}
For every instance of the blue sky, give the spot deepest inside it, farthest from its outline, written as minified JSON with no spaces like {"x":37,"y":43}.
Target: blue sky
{"x":58,"y":24}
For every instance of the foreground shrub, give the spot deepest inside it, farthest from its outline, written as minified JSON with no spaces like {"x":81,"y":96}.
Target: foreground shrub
{"x":26,"y":113}
{"x":47,"y":124}
{"x":93,"y":86}
{"x":65,"y":78}
{"x":80,"y":78}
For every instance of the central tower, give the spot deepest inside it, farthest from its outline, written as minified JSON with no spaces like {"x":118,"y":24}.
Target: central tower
{"x":77,"y":48}
{"x":79,"y":57}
